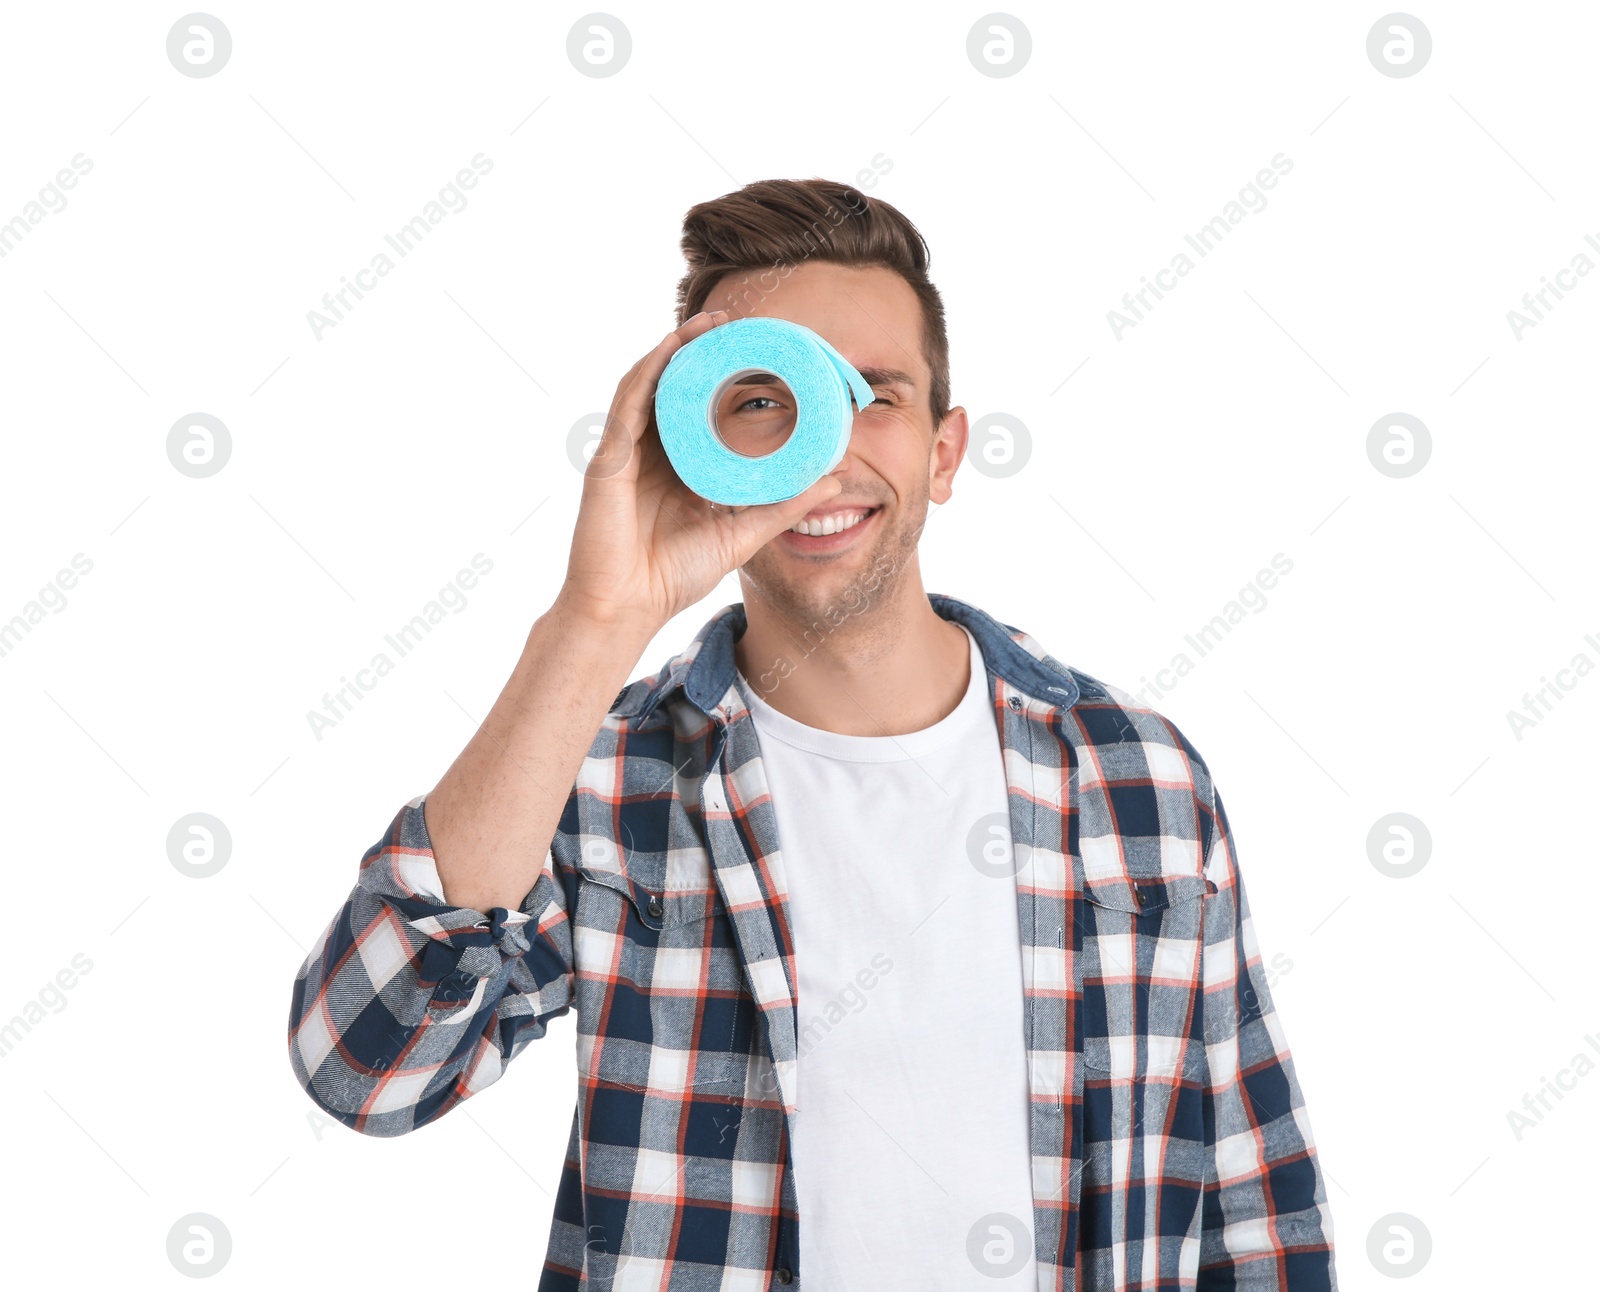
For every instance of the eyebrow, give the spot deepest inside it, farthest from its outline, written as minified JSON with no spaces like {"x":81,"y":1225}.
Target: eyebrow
{"x":872,"y":376}
{"x":887,"y":377}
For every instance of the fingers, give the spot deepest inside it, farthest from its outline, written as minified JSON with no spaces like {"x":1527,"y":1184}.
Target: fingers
{"x":635,"y":397}
{"x":754,"y":527}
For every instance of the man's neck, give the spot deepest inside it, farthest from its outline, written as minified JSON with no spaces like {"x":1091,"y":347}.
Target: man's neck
{"x":891,"y":667}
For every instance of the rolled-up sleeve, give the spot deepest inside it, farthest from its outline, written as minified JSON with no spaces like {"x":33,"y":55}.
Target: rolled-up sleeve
{"x":1266,"y":1221}
{"x":407,"y":1005}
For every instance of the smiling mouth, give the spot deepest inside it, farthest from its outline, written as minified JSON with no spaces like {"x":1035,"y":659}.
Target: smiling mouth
{"x":833,"y":522}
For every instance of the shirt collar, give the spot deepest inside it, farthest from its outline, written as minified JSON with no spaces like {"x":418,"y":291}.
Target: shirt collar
{"x":705,"y":670}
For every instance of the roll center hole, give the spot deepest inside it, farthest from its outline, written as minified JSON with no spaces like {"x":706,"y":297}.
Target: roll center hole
{"x":753,"y":412}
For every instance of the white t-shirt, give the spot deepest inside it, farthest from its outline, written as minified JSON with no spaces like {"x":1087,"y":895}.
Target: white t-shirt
{"x":911,"y":1137}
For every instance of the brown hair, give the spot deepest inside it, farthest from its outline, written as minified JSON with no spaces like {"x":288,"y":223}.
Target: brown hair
{"x":773,"y":225}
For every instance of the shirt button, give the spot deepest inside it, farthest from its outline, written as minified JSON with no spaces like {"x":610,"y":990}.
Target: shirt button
{"x":784,"y":1276}
{"x":1016,"y":703}
{"x":654,"y":907}
{"x":1140,"y":896}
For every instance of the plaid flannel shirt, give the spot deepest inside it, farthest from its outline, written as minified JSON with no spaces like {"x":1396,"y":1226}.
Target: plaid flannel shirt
{"x":1170,"y":1143}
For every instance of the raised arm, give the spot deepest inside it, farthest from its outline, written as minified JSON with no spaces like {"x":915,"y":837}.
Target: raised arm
{"x":454,"y":949}
{"x":643,"y":549}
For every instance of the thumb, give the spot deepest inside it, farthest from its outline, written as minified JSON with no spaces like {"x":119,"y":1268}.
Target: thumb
{"x":755,"y":526}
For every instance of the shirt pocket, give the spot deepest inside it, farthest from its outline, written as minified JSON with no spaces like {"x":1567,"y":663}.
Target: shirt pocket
{"x":661,"y":1000}
{"x":1142,"y":943}
{"x":667,"y":890}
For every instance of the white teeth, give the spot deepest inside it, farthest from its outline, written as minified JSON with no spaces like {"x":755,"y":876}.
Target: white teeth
{"x":828,"y":524}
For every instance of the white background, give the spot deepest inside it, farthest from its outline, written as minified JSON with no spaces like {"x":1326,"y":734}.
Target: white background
{"x":369,"y":465}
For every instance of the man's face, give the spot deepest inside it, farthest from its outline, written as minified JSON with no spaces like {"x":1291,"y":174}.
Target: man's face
{"x":896,"y":462}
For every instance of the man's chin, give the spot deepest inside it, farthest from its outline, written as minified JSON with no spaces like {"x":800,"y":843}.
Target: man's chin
{"x":807,"y":591}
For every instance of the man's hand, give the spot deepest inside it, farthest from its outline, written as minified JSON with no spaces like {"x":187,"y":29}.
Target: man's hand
{"x":645,"y":546}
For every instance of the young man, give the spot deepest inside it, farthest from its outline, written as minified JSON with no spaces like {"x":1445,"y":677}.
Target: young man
{"x":904,"y":956}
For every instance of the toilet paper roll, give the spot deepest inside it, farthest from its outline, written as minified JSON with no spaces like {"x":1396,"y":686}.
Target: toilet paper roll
{"x":822,"y":382}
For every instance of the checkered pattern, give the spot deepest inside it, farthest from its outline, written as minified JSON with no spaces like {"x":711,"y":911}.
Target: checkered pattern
{"x":1171,"y":1146}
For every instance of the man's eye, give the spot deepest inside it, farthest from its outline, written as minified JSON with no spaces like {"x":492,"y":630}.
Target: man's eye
{"x":758,"y":399}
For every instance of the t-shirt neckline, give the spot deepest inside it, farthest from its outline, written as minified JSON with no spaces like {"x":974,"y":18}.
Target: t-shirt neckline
{"x":972,"y":707}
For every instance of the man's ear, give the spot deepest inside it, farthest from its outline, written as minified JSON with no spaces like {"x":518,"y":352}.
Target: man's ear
{"x":949,"y":447}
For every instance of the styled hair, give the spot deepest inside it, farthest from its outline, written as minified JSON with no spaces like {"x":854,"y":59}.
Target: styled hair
{"x":770,"y":227}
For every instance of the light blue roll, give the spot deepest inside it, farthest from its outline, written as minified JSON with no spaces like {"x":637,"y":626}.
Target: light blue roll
{"x":822,"y":382}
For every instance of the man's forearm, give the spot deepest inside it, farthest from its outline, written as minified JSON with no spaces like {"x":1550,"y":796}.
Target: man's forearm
{"x":492,"y":816}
